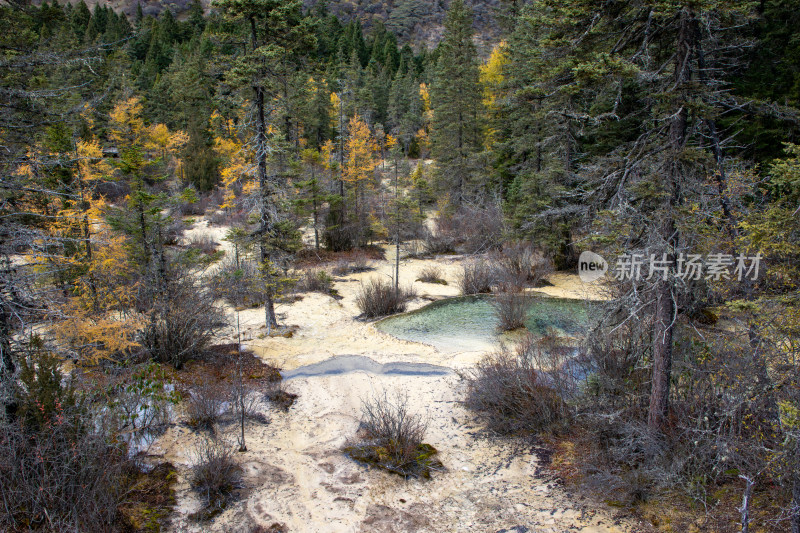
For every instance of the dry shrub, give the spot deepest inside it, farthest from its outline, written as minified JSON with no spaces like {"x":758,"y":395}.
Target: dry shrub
{"x":439,"y":244}
{"x":62,"y":476}
{"x":511,"y":309}
{"x":173,"y":231}
{"x":215,"y":476}
{"x":310,"y":257}
{"x":228,"y":217}
{"x":204,"y":243}
{"x":470,"y":229}
{"x":476,"y":277}
{"x":378,"y":297}
{"x":522,"y":388}
{"x":415,"y":248}
{"x":64,"y":465}
{"x":206,"y":405}
{"x":431,"y":274}
{"x":181,"y":323}
{"x":275,"y":527}
{"x":519,"y":265}
{"x":277,"y":394}
{"x":315,"y":280}
{"x":341,"y":268}
{"x":357,"y":262}
{"x":392,"y":438}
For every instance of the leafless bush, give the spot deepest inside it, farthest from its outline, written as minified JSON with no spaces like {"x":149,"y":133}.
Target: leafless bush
{"x":63,"y":477}
{"x":206,"y":405}
{"x":181,"y":325}
{"x":415,"y":248}
{"x":227,"y":217}
{"x":378,"y":297}
{"x":341,"y":268}
{"x":392,"y":437}
{"x":315,"y":280}
{"x":521,"y":388}
{"x":439,"y":244}
{"x":174,"y":231}
{"x":216,"y":197}
{"x":358,"y":262}
{"x":471,"y":229}
{"x":476,"y":277}
{"x":519,"y":265}
{"x":511,"y":309}
{"x":431,"y":274}
{"x":215,"y":476}
{"x":243,"y":394}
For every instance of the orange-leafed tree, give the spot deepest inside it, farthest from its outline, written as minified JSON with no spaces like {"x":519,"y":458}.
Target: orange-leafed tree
{"x":359,"y":165}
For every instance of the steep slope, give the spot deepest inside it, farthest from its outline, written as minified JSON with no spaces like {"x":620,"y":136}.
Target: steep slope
{"x":417,"y":22}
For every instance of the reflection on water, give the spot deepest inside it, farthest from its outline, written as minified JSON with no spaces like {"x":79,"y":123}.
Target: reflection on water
{"x":469,"y":324}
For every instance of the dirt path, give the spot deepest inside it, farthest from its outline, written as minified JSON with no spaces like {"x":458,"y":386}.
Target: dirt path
{"x":296,"y":474}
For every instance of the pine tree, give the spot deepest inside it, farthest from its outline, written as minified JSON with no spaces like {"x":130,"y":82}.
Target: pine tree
{"x":277,"y":33}
{"x":456,"y":98}
{"x":200,"y":165}
{"x":312,"y":195}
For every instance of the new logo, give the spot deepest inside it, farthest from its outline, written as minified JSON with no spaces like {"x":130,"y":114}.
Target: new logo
{"x":591,"y":266}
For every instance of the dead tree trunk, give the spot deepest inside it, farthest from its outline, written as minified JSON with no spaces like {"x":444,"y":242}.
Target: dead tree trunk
{"x":265,"y":187}
{"x":665,"y":299}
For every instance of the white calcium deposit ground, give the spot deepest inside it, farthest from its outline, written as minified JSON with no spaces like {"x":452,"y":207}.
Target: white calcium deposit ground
{"x":296,"y":474}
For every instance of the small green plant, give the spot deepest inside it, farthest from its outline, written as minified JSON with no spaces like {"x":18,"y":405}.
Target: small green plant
{"x":142,"y":402}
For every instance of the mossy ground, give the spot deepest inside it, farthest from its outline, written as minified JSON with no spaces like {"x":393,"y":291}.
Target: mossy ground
{"x":150,"y":499}
{"x":382,"y":455}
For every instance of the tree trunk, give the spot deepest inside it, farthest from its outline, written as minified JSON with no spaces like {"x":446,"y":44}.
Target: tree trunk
{"x":7,"y":366}
{"x":396,"y":233}
{"x":795,"y":512}
{"x":744,"y":510}
{"x":665,"y":300}
{"x":314,"y":191}
{"x":265,"y":229}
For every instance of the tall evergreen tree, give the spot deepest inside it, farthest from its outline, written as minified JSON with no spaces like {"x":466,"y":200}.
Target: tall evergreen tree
{"x":456,"y":100}
{"x":277,"y":33}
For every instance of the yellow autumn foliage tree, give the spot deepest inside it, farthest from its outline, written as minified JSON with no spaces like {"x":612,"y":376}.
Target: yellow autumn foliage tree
{"x":88,"y":261}
{"x":360,"y":149}
{"x":233,"y":168}
{"x":127,"y":124}
{"x":491,"y":79}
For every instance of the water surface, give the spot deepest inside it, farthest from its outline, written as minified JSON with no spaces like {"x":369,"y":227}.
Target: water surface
{"x":469,"y":323}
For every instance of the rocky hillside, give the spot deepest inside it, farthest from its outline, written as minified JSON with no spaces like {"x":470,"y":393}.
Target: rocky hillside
{"x":414,"y":21}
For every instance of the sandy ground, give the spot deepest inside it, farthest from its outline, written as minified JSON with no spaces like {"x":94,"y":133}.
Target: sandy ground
{"x":295,"y":473}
